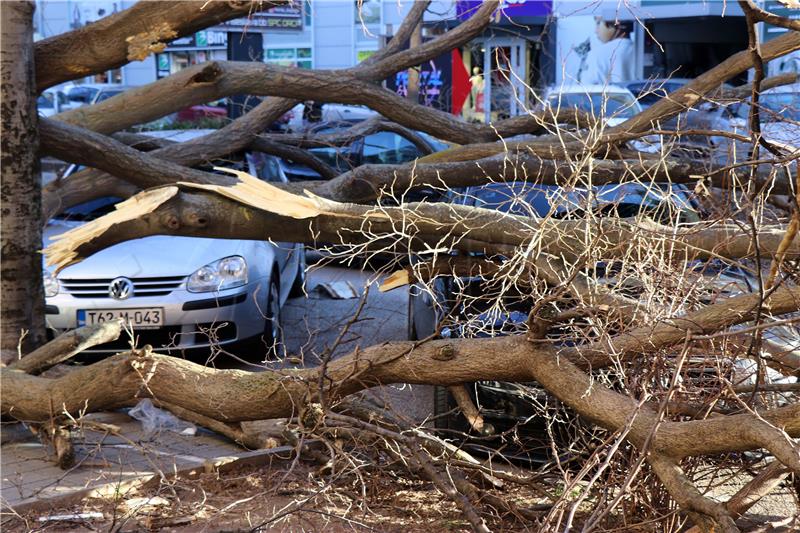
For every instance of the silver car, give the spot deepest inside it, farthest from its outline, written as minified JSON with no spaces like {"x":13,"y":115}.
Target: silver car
{"x":176,"y":293}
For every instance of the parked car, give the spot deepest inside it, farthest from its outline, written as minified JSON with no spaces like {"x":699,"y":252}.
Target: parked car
{"x":199,"y":113}
{"x":706,"y":115}
{"x":92,"y":93}
{"x":614,"y":104}
{"x":650,"y":91}
{"x":327,"y":113}
{"x":177,"y":293}
{"x":383,"y":147}
{"x":780,"y":115}
{"x":460,"y":307}
{"x":51,"y":103}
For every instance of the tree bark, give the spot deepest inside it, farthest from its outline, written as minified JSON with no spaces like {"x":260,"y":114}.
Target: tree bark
{"x":21,"y":278}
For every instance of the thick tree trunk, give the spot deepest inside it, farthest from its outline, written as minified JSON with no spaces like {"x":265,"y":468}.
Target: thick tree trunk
{"x":21,"y":288}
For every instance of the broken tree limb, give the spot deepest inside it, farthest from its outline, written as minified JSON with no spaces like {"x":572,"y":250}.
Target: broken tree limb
{"x":469,"y":410}
{"x":214,"y":80}
{"x":66,"y":346}
{"x":652,"y":337}
{"x":253,"y":209}
{"x":232,"y":395}
{"x":130,"y":35}
{"x":79,"y":145}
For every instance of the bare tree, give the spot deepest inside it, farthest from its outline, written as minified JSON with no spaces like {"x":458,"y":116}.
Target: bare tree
{"x":618,"y":353}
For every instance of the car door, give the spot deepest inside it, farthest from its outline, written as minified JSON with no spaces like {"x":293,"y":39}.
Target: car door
{"x":267,"y":168}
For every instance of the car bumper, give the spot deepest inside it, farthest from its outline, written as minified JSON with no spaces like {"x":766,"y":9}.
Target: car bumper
{"x":191,"y":320}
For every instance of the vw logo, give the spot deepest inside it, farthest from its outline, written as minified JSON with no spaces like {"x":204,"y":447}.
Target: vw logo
{"x":121,"y":289}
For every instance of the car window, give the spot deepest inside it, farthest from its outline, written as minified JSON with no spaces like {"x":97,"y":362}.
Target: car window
{"x":649,"y":93}
{"x":435,"y":143}
{"x":82,"y":94}
{"x":90,"y":210}
{"x":105,"y":95}
{"x":661,"y":202}
{"x":264,"y":167}
{"x":386,"y":147}
{"x":517,"y":198}
{"x":45,"y":101}
{"x":619,"y":105}
{"x":337,"y":157}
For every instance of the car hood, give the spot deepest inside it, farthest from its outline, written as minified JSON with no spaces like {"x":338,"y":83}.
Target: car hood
{"x":155,"y":256}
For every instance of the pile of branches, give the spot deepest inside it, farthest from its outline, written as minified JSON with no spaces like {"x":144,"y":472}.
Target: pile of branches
{"x":613,"y":362}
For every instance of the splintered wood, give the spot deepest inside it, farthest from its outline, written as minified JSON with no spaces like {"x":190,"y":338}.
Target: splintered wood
{"x":63,"y":251}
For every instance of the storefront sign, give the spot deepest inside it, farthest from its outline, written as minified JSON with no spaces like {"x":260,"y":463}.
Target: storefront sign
{"x":510,"y":9}
{"x":201,"y":39}
{"x":435,"y":83}
{"x":163,"y":62}
{"x":277,"y":18}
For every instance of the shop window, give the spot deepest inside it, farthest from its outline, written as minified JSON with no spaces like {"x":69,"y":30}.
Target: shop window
{"x":307,"y":13}
{"x":290,"y":57}
{"x":110,"y":76}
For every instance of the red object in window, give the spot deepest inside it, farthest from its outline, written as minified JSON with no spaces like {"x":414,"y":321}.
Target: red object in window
{"x":461,"y":84}
{"x":199,"y":112}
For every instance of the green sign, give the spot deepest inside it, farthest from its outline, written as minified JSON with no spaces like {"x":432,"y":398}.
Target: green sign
{"x":163,"y":61}
{"x":200,"y":39}
{"x":363,"y":54}
{"x":280,"y":53}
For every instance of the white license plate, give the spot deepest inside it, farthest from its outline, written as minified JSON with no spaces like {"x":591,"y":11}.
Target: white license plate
{"x":142,"y":318}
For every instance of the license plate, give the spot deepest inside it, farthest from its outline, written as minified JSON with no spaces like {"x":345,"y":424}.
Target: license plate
{"x":142,"y":318}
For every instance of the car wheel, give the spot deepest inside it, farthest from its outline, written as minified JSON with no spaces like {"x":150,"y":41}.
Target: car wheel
{"x":272,"y":326}
{"x":299,"y":284}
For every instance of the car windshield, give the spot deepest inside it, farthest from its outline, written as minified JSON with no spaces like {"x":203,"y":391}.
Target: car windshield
{"x":90,"y":210}
{"x":618,"y":105}
{"x":660,"y":201}
{"x":105,"y":95}
{"x":648,"y":93}
{"x":82,"y":94}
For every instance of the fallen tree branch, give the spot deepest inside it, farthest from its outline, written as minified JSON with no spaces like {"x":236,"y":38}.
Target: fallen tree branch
{"x":257,"y":210}
{"x":130,"y":35}
{"x":66,"y":346}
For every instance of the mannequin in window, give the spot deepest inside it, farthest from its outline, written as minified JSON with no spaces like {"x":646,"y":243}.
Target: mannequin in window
{"x":613,"y":60}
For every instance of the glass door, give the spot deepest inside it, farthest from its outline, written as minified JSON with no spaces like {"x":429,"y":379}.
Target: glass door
{"x":498,"y":79}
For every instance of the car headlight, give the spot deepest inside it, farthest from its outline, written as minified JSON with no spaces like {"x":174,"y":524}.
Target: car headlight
{"x":226,"y":273}
{"x":50,"y":284}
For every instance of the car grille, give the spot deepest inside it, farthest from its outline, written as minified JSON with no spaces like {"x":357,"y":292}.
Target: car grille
{"x":98,"y":288}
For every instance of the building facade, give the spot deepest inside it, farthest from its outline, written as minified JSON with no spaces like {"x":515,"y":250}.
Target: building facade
{"x":529,"y":45}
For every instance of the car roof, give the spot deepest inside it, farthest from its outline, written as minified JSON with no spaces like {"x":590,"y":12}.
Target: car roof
{"x":655,"y":82}
{"x":178,"y":135}
{"x":97,"y":86}
{"x":584,"y":89}
{"x":791,"y":88}
{"x":659,"y":81}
